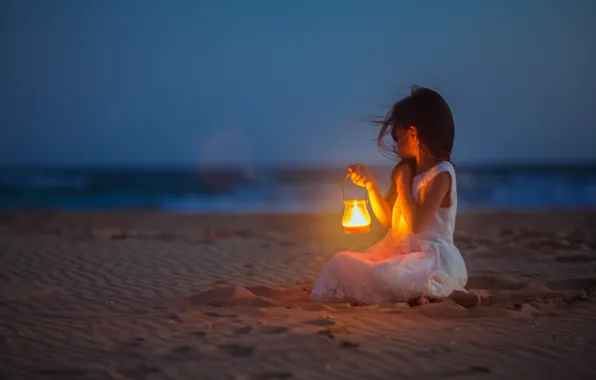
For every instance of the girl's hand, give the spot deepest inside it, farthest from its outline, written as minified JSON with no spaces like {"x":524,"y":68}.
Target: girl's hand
{"x":404,"y":176}
{"x":360,"y":175}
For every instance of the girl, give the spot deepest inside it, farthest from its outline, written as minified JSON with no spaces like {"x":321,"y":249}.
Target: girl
{"x":417,"y":259}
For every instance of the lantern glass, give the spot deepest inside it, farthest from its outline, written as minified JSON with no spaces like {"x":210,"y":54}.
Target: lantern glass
{"x":356,"y":219}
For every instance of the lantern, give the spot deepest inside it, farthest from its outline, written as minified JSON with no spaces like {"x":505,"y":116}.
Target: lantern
{"x":356,"y":219}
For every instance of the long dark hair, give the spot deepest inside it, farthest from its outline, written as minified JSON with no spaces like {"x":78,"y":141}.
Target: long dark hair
{"x":430,"y":114}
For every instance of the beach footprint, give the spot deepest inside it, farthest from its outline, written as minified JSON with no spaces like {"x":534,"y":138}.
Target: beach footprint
{"x":237,"y":350}
{"x":575,"y":259}
{"x":182,"y":353}
{"x":220,"y":315}
{"x":243,"y":330}
{"x":320,"y":322}
{"x":274,"y":330}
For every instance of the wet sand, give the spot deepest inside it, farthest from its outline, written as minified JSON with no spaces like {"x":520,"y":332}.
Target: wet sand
{"x":142,"y":295}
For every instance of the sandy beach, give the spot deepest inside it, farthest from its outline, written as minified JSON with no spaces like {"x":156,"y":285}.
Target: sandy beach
{"x":144,"y":295}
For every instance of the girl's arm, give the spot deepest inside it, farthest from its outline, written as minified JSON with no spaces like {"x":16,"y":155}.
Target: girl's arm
{"x":392,"y":213}
{"x":380,"y":207}
{"x":383,"y":206}
{"x":418,"y":215}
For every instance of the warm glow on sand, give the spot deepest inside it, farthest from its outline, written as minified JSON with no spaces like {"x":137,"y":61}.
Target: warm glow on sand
{"x":356,"y":218}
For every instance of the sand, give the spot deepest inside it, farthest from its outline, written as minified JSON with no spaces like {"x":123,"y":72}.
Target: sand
{"x":142,"y":295}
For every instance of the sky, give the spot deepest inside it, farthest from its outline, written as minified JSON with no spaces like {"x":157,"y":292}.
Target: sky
{"x":162,"y":83}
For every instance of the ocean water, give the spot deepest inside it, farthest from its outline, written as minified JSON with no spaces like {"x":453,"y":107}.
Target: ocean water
{"x":294,"y":190}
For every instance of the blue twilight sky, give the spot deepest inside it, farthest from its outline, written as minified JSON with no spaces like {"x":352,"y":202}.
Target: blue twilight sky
{"x":180,"y":82}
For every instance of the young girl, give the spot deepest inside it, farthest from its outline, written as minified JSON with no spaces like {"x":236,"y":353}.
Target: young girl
{"x":416,"y":260}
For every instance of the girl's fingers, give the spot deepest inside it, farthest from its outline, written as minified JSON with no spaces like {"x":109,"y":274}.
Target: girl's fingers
{"x":355,"y":168}
{"x":358,"y":179}
{"x":358,"y":174}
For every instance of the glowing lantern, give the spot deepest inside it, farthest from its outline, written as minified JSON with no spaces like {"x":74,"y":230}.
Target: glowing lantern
{"x":356,"y":219}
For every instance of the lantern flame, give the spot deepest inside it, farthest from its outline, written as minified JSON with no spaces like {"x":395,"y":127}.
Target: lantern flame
{"x":356,"y":218}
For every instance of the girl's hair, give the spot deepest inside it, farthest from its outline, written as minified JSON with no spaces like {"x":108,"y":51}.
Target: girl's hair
{"x":430,"y":114}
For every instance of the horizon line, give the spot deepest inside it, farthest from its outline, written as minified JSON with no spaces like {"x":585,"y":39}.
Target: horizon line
{"x":294,"y":166}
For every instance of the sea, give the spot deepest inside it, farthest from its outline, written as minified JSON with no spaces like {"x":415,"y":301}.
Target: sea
{"x":270,"y":189}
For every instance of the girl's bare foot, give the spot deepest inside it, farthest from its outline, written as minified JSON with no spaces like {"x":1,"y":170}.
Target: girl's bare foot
{"x":418,"y":301}
{"x":470,"y":300}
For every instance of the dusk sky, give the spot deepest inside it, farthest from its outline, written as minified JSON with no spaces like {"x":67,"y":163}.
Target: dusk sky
{"x":181,"y":82}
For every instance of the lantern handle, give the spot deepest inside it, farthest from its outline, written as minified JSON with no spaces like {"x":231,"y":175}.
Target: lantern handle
{"x":343,"y":189}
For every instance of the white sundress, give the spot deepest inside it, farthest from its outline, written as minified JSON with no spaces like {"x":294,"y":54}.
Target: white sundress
{"x":402,"y":265}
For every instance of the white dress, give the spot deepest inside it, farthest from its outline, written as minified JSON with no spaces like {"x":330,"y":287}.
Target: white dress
{"x":402,"y":265}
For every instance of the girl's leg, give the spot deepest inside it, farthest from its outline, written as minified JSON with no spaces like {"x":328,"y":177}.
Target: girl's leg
{"x":348,"y":277}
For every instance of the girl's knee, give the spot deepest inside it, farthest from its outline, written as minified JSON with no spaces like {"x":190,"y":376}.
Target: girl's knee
{"x":342,"y":254}
{"x":340,"y":261}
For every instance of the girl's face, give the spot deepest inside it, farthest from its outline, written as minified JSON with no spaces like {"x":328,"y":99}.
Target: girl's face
{"x":406,"y":141}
